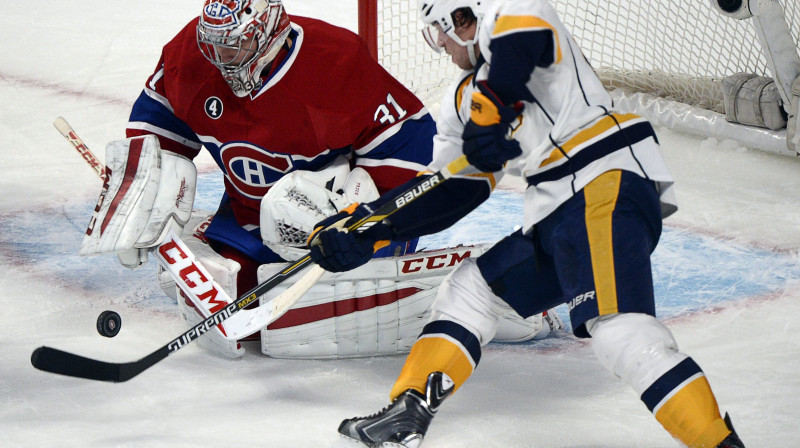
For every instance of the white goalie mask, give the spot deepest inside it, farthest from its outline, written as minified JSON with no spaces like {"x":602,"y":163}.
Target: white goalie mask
{"x":241,"y":37}
{"x":437,"y":15}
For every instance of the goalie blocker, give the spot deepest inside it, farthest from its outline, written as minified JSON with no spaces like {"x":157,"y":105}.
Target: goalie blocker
{"x":147,"y":192}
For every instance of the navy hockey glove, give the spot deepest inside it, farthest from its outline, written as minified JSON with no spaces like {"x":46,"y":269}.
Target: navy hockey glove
{"x":487,"y":136}
{"x":337,"y":250}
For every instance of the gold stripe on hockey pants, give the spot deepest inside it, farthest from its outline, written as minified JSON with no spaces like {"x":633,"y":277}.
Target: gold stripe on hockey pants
{"x":601,"y":198}
{"x":433,"y":354}
{"x":692,"y":416}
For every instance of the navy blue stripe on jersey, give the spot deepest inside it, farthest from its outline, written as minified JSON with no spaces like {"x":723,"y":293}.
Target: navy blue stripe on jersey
{"x":411,"y":143}
{"x":669,"y":382}
{"x":624,"y":138}
{"x":518,"y":54}
{"x":148,"y":110}
{"x":457,"y":332}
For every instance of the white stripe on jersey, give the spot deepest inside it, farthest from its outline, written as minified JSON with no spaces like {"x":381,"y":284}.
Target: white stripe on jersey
{"x":161,"y":132}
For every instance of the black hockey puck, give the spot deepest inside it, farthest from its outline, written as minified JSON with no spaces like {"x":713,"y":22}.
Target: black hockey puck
{"x":109,"y":324}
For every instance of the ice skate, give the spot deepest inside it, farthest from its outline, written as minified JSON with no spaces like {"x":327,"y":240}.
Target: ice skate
{"x":732,"y":441}
{"x":404,"y":422}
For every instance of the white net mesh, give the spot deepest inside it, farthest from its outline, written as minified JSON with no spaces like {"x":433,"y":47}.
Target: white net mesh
{"x":676,"y":49}
{"x":403,"y":51}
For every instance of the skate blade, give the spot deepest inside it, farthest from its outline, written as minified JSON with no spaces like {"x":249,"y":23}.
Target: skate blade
{"x":347,"y":442}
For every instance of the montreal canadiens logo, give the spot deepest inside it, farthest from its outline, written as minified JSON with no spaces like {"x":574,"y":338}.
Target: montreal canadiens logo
{"x":221,"y":12}
{"x":252,"y":170}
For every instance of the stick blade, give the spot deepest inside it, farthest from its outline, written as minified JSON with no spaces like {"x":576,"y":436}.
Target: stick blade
{"x":57,"y":361}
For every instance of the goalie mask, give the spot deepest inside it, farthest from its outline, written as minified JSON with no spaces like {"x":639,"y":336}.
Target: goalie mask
{"x":241,"y":37}
{"x":438,"y":17}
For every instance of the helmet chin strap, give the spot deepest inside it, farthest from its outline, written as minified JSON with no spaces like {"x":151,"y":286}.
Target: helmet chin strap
{"x":471,"y":44}
{"x":473,"y":58}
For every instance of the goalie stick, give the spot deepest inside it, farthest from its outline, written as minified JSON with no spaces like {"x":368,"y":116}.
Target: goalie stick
{"x":66,"y":130}
{"x":53,"y":360}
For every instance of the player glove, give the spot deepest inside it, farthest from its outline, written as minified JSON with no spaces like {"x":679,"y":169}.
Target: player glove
{"x":337,"y":250}
{"x":487,"y":136}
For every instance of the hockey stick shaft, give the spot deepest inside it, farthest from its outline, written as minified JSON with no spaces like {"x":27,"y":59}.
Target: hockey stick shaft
{"x":66,"y":130}
{"x":53,"y":360}
{"x":61,"y":362}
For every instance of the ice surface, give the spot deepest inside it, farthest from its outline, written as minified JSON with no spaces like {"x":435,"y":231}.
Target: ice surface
{"x":726,"y":280}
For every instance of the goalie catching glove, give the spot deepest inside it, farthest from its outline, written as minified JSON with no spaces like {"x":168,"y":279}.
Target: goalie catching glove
{"x":298,"y":201}
{"x":488,"y":143}
{"x":147,"y":192}
{"x":337,"y":250}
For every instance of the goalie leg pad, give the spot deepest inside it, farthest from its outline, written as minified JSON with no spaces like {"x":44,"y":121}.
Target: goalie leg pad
{"x":377,"y":309}
{"x":511,"y":327}
{"x":222,"y":270}
{"x":148,"y":191}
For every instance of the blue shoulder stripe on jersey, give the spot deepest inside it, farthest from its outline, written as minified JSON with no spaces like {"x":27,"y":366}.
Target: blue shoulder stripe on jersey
{"x":457,"y":332}
{"x":148,"y":110}
{"x":514,"y":57}
{"x":412,"y":143}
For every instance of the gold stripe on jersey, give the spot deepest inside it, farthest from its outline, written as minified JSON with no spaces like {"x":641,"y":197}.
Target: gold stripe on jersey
{"x":692,"y":416}
{"x":505,"y":24}
{"x":603,"y":125}
{"x":489,"y":177}
{"x":433,"y":354}
{"x":601,"y":198}
{"x":460,"y":90}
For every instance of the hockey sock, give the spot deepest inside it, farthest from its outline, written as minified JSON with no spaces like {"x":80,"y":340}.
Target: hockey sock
{"x":443,"y":346}
{"x":682,"y":401}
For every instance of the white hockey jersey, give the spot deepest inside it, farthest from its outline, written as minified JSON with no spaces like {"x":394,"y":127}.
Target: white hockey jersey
{"x":570,"y":133}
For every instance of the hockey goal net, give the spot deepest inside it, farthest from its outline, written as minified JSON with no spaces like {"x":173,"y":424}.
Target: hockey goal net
{"x":678,"y":50}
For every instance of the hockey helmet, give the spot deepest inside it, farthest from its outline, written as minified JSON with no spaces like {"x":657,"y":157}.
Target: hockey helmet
{"x":241,"y":37}
{"x":437,"y":15}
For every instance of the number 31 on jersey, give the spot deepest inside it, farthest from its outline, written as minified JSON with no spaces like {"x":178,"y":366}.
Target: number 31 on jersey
{"x":384,"y":115}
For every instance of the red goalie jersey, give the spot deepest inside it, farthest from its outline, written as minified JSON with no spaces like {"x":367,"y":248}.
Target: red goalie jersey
{"x":323,"y":97}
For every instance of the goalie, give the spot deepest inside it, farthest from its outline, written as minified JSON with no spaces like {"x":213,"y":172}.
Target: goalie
{"x":301,"y":122}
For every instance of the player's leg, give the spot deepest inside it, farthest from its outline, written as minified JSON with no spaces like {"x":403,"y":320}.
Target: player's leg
{"x":464,"y":317}
{"x":604,"y":268}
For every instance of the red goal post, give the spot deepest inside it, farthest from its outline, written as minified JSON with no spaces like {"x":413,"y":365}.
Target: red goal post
{"x":368,"y":24}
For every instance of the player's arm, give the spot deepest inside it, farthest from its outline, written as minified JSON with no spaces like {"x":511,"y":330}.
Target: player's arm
{"x":153,"y":114}
{"x":518,"y":44}
{"x":436,"y":210}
